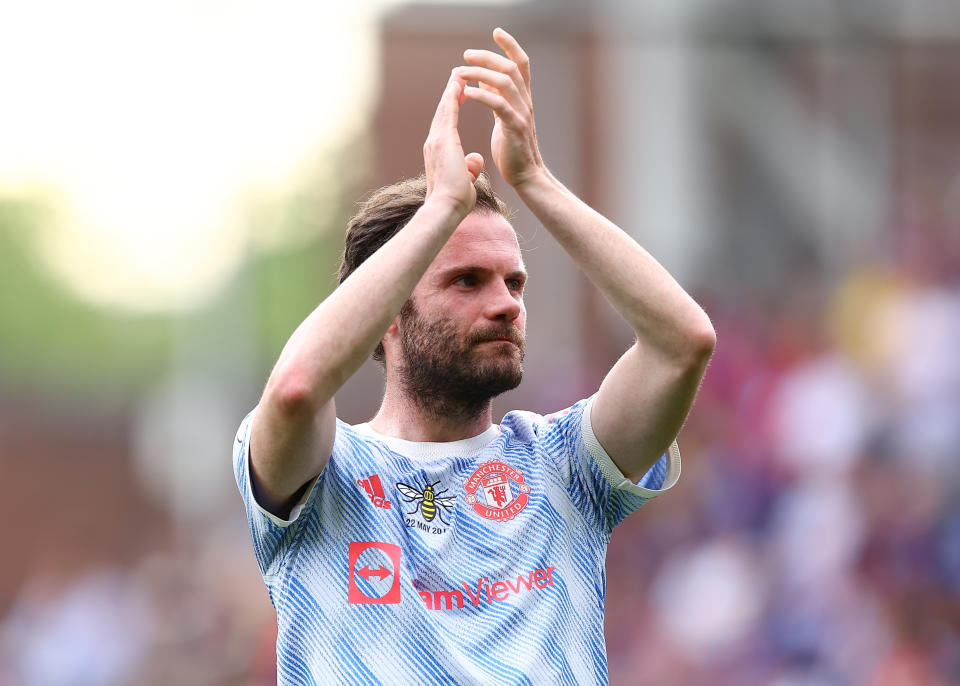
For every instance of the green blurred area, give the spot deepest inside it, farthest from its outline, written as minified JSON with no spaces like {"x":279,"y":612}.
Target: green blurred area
{"x":53,"y":340}
{"x":289,"y":283}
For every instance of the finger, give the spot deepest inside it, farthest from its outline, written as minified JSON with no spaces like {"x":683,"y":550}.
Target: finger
{"x":495,"y":102}
{"x":474,"y":164}
{"x":498,"y":81}
{"x":497,"y":62}
{"x":485,"y":87}
{"x":448,"y":109}
{"x":510,"y":46}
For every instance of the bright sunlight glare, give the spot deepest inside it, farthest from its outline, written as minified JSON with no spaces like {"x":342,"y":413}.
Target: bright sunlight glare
{"x":150,"y":120}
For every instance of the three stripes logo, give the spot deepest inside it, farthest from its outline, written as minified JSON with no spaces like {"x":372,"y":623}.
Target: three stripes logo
{"x":374,"y":490}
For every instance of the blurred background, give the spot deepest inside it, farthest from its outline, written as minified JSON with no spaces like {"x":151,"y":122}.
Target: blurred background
{"x":175,"y":179}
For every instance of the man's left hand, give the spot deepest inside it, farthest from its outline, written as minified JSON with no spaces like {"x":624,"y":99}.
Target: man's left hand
{"x":504,"y":87}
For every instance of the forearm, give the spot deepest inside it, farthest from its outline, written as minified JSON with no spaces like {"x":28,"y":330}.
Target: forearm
{"x":639,"y":288}
{"x":336,"y":338}
{"x":644,"y":399}
{"x":293,"y":433}
{"x":294,"y":429}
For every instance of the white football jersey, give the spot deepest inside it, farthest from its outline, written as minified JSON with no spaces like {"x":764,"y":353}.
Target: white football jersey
{"x":478,"y":561}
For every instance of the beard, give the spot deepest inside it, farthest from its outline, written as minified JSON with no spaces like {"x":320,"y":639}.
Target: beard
{"x":452,"y":375}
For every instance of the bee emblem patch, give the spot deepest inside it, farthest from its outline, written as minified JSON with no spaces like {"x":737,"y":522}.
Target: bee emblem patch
{"x":430,"y":504}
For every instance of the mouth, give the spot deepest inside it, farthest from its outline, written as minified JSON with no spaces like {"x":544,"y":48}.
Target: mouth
{"x":511,"y":337}
{"x":499,"y":340}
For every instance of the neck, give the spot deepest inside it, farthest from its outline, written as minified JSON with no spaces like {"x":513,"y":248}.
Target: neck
{"x":429,"y":417}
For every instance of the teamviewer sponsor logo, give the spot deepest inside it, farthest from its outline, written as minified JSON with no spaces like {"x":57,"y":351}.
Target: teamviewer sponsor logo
{"x":487,"y":592}
{"x":374,"y":573}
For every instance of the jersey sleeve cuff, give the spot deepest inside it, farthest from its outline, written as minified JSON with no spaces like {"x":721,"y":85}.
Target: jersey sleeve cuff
{"x":612,"y":473}
{"x":252,"y":497}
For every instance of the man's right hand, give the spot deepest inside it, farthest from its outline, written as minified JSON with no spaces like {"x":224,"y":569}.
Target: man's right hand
{"x":450,"y":173}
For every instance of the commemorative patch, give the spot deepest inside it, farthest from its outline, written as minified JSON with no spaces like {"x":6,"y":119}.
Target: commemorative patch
{"x":497,"y":491}
{"x":429,"y":504}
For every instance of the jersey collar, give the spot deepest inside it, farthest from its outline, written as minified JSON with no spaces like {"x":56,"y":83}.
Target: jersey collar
{"x":426,"y":450}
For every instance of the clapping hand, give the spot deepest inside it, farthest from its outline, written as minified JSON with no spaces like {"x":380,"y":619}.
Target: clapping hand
{"x":504,"y":87}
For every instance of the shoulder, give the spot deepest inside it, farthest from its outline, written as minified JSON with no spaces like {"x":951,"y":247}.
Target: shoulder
{"x":353,"y":435}
{"x":529,"y":427}
{"x":355,"y":448}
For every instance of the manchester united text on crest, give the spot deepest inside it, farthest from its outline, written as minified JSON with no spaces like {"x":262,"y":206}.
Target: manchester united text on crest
{"x":497,"y":491}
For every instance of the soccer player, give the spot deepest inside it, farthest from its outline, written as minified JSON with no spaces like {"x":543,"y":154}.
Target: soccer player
{"x":431,"y":545}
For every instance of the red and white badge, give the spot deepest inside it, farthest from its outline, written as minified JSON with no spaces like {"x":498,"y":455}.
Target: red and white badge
{"x":497,"y":491}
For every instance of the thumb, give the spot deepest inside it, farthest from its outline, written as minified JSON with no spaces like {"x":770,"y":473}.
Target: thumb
{"x":474,"y":163}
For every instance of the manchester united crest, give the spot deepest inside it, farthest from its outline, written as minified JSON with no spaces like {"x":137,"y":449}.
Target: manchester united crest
{"x":497,"y":491}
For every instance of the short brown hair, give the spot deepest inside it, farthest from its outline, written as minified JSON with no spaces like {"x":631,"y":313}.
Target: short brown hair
{"x":388,"y":210}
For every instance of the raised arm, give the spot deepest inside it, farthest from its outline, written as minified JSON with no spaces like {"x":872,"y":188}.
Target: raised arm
{"x":295,"y":424}
{"x":645,"y":398}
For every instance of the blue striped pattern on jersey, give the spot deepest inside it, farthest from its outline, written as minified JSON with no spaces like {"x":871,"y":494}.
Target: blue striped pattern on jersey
{"x":468,"y":598}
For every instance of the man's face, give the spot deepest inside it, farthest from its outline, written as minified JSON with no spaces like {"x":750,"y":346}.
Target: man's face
{"x":462,"y":331}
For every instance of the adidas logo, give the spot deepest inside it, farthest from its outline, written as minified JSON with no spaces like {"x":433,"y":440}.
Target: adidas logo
{"x":374,"y":490}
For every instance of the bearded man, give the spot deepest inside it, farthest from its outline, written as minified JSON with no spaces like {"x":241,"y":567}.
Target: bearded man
{"x":430,"y":545}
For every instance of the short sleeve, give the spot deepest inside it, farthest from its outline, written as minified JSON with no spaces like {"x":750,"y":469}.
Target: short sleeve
{"x":597,"y":486}
{"x":271,"y":535}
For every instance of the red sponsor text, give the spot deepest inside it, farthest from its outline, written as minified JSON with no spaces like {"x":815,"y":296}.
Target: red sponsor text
{"x":485,"y":591}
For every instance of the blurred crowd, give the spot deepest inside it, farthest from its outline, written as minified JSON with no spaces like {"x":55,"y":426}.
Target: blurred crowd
{"x":813,"y":540}
{"x":816,"y":539}
{"x":192,"y":614}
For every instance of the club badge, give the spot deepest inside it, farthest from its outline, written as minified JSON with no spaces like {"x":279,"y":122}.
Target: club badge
{"x":497,"y":491}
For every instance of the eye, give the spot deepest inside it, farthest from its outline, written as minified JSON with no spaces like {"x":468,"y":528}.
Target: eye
{"x":467,"y":281}
{"x":515,"y":284}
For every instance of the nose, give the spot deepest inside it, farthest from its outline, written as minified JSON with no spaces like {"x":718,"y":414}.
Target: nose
{"x":503,"y":304}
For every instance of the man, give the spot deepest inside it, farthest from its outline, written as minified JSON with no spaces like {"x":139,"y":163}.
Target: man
{"x":430,"y":545}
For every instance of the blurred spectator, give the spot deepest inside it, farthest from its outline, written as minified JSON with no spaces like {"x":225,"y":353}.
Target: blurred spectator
{"x":92,"y":630}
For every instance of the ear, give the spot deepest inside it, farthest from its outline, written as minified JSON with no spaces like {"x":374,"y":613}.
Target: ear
{"x":391,"y":337}
{"x":394,"y":328}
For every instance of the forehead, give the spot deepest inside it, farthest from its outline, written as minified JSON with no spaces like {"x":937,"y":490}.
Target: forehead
{"x":482,"y":239}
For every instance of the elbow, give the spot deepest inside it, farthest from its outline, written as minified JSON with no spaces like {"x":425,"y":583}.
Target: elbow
{"x":700,"y":342}
{"x":705,"y":341}
{"x":289,"y":395}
